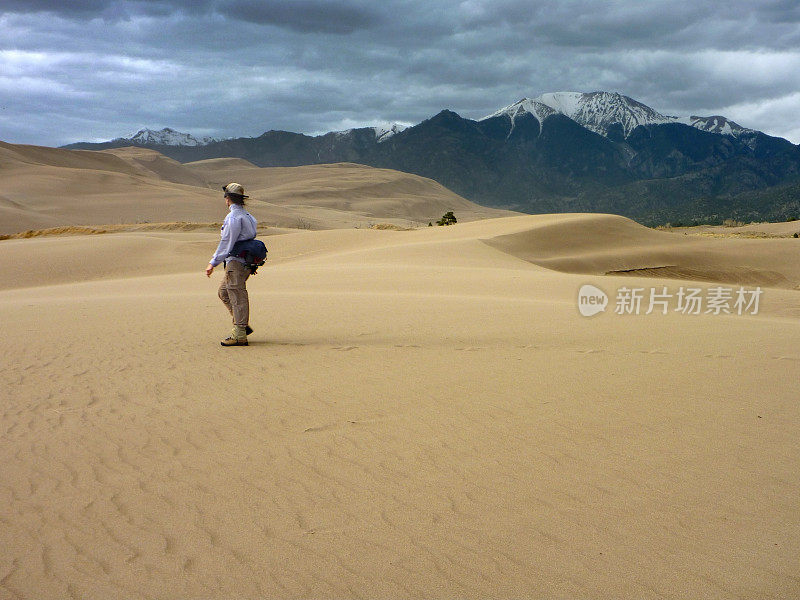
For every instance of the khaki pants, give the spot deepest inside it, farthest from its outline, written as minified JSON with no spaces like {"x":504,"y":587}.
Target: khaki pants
{"x":233,"y":293}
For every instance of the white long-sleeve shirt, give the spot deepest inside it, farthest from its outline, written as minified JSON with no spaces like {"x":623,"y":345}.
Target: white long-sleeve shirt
{"x":238,"y":225}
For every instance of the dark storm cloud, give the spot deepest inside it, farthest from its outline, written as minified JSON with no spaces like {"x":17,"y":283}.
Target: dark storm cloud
{"x":102,"y":68}
{"x":80,"y":8}
{"x":306,"y":16}
{"x":70,"y":7}
{"x":779,"y":11}
{"x":654,"y":24}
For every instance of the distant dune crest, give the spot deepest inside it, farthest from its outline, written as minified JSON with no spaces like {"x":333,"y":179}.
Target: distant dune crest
{"x":49,"y":187}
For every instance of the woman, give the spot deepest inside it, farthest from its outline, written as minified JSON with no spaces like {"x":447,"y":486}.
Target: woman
{"x":239,"y":225}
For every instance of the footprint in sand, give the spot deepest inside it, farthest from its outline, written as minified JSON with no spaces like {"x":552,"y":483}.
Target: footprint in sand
{"x":319,"y":428}
{"x":358,"y":422}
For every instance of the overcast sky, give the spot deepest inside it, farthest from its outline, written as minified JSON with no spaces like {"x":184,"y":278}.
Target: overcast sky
{"x":92,"y":70}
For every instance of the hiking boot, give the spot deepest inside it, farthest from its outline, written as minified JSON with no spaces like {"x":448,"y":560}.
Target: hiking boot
{"x":238,"y":337}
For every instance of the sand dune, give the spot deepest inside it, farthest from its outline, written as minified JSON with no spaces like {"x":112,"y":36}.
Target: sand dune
{"x":610,"y":244}
{"x":377,"y":193}
{"x":420,"y":414}
{"x":155,"y":164}
{"x":220,"y":166}
{"x":15,"y":154}
{"x":48,"y":187}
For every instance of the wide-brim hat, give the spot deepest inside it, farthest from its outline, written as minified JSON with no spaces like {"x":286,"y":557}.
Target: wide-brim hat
{"x":234,"y":188}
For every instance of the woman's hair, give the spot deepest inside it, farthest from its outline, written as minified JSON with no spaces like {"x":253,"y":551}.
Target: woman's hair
{"x":236,"y":198}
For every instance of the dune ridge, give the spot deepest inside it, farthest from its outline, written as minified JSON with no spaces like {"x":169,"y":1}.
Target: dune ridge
{"x":613,"y":245}
{"x":590,"y":244}
{"x":44,"y":188}
{"x":379,"y":193}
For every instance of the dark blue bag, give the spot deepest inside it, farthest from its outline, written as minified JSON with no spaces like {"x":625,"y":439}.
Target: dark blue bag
{"x":252,"y":252}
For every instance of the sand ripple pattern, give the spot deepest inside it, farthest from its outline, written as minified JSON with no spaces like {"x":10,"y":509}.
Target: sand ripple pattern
{"x":405,"y":424}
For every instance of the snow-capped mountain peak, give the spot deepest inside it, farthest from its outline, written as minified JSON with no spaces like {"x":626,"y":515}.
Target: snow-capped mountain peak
{"x":715,"y":124}
{"x":381,"y":133}
{"x":384,"y":133}
{"x":596,"y":111}
{"x":165,"y":137}
{"x":537,"y":108}
{"x":599,"y":111}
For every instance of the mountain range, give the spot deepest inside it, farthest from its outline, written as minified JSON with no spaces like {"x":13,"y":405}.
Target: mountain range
{"x":558,"y":152}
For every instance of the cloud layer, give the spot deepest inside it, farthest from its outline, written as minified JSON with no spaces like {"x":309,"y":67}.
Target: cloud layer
{"x":98,"y":69}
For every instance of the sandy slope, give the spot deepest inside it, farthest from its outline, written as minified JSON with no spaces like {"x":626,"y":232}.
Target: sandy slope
{"x":49,"y":187}
{"x":158,"y":166}
{"x":601,"y":244}
{"x":420,"y":414}
{"x":377,"y":193}
{"x":784,"y":229}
